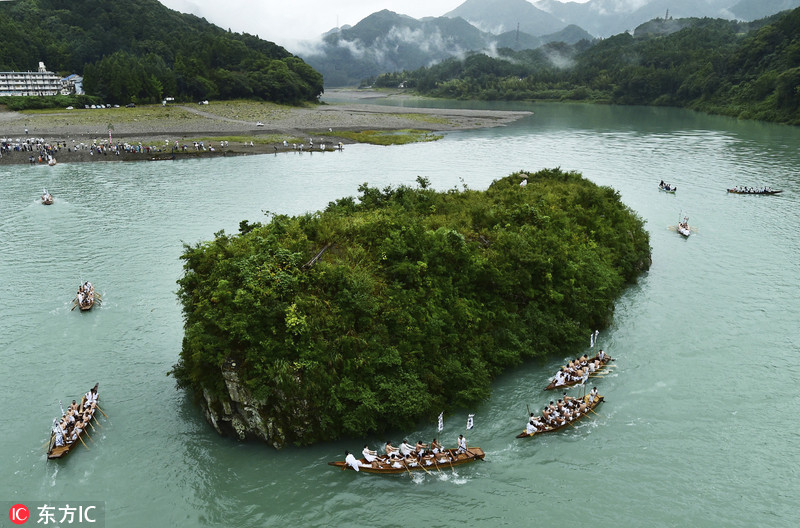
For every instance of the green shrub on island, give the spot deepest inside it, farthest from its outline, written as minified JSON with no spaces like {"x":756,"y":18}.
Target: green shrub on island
{"x":384,"y":310}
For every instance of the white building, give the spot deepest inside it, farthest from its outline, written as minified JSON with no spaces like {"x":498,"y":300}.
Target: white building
{"x":72,"y":85}
{"x":40,"y":82}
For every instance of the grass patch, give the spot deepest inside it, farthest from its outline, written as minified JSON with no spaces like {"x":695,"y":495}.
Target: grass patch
{"x":387,"y":137}
{"x":424,"y":118}
{"x":265,"y":139}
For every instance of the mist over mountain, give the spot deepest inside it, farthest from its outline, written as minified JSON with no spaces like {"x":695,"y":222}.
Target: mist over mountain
{"x":604,"y":18}
{"x":755,"y":9}
{"x":390,"y":42}
{"x":386,"y":41}
{"x":501,"y":16}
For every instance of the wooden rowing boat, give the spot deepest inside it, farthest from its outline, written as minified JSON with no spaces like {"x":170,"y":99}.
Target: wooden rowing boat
{"x":575,"y":382}
{"x":54,"y":451}
{"x":86,"y":303}
{"x":47,"y":198}
{"x":554,"y":428}
{"x":741,"y":191}
{"x":683,"y":229}
{"x":667,"y":188}
{"x":449,"y":458}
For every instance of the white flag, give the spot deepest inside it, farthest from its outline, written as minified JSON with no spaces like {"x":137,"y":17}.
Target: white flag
{"x":470,"y":422}
{"x":441,"y":421}
{"x":591,"y":340}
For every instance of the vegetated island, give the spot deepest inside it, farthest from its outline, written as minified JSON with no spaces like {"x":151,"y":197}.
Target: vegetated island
{"x":384,"y":310}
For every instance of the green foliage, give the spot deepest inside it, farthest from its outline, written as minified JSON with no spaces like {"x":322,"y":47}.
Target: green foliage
{"x":55,"y":101}
{"x":734,"y":68}
{"x":419,"y":301}
{"x":140,"y":51}
{"x":384,"y":137}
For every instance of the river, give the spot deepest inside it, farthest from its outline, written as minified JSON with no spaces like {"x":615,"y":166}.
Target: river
{"x":699,"y":427}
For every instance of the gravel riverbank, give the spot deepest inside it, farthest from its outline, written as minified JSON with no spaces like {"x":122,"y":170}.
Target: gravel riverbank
{"x":248,"y":127}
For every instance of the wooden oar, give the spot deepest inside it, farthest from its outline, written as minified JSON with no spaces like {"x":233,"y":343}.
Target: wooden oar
{"x":419,"y":463}
{"x":84,"y":443}
{"x":406,"y":466}
{"x":101,"y":410}
{"x":87,"y":434}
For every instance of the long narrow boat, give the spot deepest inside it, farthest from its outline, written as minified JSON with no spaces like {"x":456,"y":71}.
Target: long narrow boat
{"x":550,"y":429}
{"x":449,"y":458}
{"x":754,"y":191}
{"x":603,"y":364}
{"x":667,"y":188}
{"x":60,"y":451}
{"x":47,"y":198}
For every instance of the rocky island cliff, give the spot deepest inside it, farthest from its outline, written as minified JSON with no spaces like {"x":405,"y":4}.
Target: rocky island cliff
{"x":385,"y":309}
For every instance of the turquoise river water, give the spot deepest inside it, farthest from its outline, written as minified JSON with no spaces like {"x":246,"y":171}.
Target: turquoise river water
{"x":700,"y":424}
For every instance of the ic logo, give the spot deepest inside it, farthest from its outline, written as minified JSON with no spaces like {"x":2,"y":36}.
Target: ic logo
{"x":18,"y":514}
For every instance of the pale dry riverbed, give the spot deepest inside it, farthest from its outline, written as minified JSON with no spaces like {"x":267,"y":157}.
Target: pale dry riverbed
{"x":240,"y":123}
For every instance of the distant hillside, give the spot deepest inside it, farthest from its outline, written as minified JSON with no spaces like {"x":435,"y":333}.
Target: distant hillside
{"x":501,"y":16}
{"x":755,"y":9}
{"x":748,"y":70}
{"x":524,"y":41}
{"x":604,"y":18}
{"x":389,"y":42}
{"x":386,"y":41}
{"x":138,"y":50}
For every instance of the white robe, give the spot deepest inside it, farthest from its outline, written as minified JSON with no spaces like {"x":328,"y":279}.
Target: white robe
{"x":351,"y":461}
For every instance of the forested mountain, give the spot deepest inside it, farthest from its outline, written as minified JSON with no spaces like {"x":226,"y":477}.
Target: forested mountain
{"x":386,"y":41}
{"x":139,"y":50}
{"x":748,"y":70}
{"x":389,"y":308}
{"x":604,"y":18}
{"x":517,"y":40}
{"x":501,"y":16}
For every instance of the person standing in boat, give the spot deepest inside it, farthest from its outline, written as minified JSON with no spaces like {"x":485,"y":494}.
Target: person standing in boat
{"x":602,"y":356}
{"x":462,"y":445}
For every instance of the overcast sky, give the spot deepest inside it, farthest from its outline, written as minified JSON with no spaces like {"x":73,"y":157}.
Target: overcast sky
{"x":288,"y":21}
